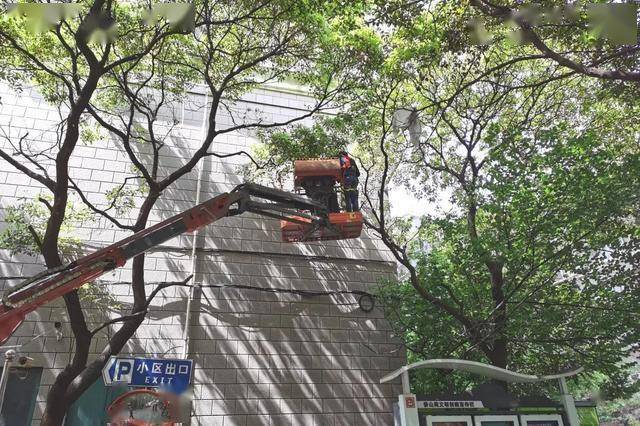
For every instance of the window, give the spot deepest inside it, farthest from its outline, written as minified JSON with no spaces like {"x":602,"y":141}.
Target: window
{"x":498,"y":420}
{"x":449,"y":423}
{"x":20,"y":396}
{"x":496,"y":423}
{"x":448,"y":420}
{"x":541,"y":420}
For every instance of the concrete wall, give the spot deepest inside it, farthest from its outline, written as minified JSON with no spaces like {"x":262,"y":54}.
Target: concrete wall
{"x":261,"y":358}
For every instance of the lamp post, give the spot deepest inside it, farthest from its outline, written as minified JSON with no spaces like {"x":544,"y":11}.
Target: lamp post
{"x":408,"y":406}
{"x":9,"y":356}
{"x":568,"y":403}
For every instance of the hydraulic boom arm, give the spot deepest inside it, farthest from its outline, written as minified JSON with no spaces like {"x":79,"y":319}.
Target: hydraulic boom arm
{"x":48,"y":285}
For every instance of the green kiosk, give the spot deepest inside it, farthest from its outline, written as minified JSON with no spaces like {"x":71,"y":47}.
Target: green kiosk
{"x":488,"y":404}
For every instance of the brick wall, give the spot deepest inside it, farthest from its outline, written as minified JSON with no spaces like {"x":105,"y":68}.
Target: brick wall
{"x":261,"y":358}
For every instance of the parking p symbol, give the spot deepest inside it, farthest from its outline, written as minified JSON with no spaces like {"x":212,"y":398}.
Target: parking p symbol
{"x":123,"y":370}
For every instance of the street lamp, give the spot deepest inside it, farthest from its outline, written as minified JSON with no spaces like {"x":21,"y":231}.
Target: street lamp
{"x":9,"y":356}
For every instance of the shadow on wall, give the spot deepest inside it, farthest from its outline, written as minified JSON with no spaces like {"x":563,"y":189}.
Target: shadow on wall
{"x":262,"y":353}
{"x":259,"y":353}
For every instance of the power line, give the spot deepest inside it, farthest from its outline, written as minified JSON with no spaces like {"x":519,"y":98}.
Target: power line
{"x":366,"y":300}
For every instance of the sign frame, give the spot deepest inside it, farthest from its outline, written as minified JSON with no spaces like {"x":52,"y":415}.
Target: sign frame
{"x":450,"y":404}
{"x":111,"y":369}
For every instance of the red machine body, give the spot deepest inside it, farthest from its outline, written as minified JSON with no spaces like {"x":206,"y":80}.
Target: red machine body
{"x":316,"y":168}
{"x":25,"y":298}
{"x":49,"y":285}
{"x":344,"y":225}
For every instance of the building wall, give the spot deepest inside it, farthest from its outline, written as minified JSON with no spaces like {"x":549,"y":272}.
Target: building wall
{"x":260,"y":358}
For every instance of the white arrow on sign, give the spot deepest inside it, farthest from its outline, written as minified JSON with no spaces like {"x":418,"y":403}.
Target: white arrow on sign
{"x":106,"y":374}
{"x":118,"y":370}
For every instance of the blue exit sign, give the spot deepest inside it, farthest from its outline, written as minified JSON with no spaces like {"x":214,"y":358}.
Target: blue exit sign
{"x":173,"y":375}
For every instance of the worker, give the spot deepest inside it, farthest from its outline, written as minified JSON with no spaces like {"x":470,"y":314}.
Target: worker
{"x":350,"y":174}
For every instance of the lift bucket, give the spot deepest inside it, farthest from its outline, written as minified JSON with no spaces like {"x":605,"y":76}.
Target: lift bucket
{"x":316,"y":167}
{"x":342,"y":226}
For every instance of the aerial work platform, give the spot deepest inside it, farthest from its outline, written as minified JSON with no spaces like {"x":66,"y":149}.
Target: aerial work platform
{"x":319,"y":179}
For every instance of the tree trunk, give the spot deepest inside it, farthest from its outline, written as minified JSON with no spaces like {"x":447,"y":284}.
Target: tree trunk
{"x":499,"y":355}
{"x":57,"y":405}
{"x":77,"y":377}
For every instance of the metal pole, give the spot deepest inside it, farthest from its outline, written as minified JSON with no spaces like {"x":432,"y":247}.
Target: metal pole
{"x":194,"y":241}
{"x":406,"y":384}
{"x":568,"y":403}
{"x":407,"y":403}
{"x":8,"y":359}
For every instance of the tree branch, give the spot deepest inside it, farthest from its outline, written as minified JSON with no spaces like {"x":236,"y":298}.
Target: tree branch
{"x":161,"y":286}
{"x":102,"y":212}
{"x":47,"y":182}
{"x":503,"y":13}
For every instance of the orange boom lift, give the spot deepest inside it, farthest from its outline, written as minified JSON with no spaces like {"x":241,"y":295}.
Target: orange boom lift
{"x":311,"y":217}
{"x":317,"y":178}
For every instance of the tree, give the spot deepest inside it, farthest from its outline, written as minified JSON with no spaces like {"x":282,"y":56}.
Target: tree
{"x":125,"y":85}
{"x":521,"y":254}
{"x":538,"y":192}
{"x":567,"y":37}
{"x":594,"y":39}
